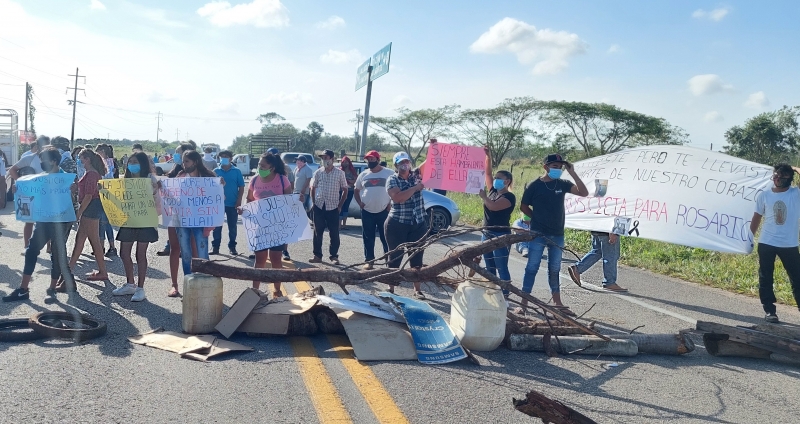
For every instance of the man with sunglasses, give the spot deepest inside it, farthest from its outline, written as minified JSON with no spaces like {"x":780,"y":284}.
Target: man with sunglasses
{"x":779,"y":208}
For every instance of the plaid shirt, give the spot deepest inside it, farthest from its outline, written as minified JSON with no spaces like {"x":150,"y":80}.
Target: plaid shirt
{"x":412,"y":211}
{"x":328,"y":188}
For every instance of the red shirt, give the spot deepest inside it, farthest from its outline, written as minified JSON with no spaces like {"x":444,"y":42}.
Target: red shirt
{"x":87,"y":185}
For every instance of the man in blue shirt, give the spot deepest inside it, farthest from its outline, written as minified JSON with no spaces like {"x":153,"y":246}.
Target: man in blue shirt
{"x":234,"y":189}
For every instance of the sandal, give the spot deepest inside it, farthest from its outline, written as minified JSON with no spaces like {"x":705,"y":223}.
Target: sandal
{"x":276,"y":295}
{"x":173,"y":293}
{"x":95,"y":276}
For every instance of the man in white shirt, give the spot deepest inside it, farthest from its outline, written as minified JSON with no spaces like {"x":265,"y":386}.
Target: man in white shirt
{"x":779,"y":208}
{"x":302,"y":181}
{"x":375,"y":203}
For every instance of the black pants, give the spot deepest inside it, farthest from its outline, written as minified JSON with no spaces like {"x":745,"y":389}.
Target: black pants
{"x":369,"y":222}
{"x":790,"y":258}
{"x":398,"y":233}
{"x":56,"y":233}
{"x":323,"y":219}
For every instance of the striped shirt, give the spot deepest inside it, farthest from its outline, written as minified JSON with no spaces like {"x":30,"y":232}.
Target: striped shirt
{"x":328,"y":188}
{"x":412,"y":211}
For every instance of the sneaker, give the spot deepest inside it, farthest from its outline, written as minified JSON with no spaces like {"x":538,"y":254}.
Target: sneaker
{"x":234,"y":252}
{"x":771,"y":317}
{"x":335,"y":261}
{"x":111,"y":253}
{"x":524,"y":253}
{"x":367,"y":266}
{"x":575,"y":275}
{"x":315,"y":260}
{"x":214,"y":251}
{"x":419,"y":295}
{"x":50,"y":292}
{"x":286,"y":256}
{"x":138,"y":295}
{"x":125,"y":290}
{"x":251,"y":256}
{"x":17,"y":295}
{"x":164,"y":252}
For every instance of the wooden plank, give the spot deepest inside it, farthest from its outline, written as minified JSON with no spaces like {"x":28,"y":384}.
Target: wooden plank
{"x":789,"y":331}
{"x":752,"y":337}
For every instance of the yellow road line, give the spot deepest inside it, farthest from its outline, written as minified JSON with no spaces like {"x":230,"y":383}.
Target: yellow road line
{"x":378,"y":399}
{"x":327,"y":402}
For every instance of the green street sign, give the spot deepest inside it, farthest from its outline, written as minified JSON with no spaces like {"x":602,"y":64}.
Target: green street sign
{"x":380,"y":62}
{"x":362,"y":75}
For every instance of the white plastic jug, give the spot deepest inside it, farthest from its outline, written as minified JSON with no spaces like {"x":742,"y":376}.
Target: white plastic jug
{"x":478,"y":316}
{"x":202,"y":303}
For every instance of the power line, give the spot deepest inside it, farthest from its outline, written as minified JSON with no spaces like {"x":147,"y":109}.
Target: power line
{"x":31,"y":67}
{"x":74,"y":104}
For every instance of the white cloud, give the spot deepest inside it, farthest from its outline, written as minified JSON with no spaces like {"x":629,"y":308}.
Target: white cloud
{"x":548,"y":49}
{"x":713,"y":116}
{"x":294,"y":98}
{"x":707,"y":84}
{"x":613,"y":49}
{"x":338,"y":57}
{"x":156,"y":96}
{"x":226,"y":106}
{"x":332,"y":23}
{"x":714,"y":15}
{"x":159,"y":16}
{"x":757,"y":100}
{"x":96,"y":5}
{"x":259,"y":13}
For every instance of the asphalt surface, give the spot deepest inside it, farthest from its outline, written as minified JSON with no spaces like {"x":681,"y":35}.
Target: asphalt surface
{"x":110,"y":379}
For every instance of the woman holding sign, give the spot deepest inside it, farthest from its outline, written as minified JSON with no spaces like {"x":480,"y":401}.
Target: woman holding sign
{"x":139,"y":166}
{"x":498,"y":205}
{"x":89,"y":213}
{"x":271,"y":181}
{"x":194,"y":239}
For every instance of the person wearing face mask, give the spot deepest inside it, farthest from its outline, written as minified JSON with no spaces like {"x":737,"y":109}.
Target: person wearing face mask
{"x":498,"y":205}
{"x":779,"y":210}
{"x":234,"y":190}
{"x":29,"y":163}
{"x":328,"y":193}
{"x":89,"y":214}
{"x":302,"y":182}
{"x":193,"y":241}
{"x":543,"y":201}
{"x":371,"y":196}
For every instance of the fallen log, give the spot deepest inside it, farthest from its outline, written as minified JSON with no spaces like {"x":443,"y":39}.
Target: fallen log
{"x":771,"y":342}
{"x":659,"y":344}
{"x":548,"y":410}
{"x":719,"y":345}
{"x":782,"y":330}
{"x":515,"y":327}
{"x":585,"y":345}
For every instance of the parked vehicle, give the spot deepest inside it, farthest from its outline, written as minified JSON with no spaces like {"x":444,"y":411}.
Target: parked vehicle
{"x":242,"y":163}
{"x":215,"y":149}
{"x":163,"y":168}
{"x":442,"y":211}
{"x":289,"y":158}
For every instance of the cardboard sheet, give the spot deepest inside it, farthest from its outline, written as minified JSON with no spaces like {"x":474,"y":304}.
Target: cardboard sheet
{"x":377,"y":339}
{"x":238,"y":312}
{"x":201,"y":348}
{"x":366,"y":304}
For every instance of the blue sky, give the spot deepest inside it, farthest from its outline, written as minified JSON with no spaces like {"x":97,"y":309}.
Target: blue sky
{"x":704,"y":66}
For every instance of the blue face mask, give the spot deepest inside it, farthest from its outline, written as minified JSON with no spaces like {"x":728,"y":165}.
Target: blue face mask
{"x":134,"y":168}
{"x":178,"y":160}
{"x":224,"y":161}
{"x":498,"y":184}
{"x":554,"y":173}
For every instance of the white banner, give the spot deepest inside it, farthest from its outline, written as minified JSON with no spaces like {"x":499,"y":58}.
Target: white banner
{"x":274,"y":221}
{"x":192,"y":202}
{"x":676,"y":194}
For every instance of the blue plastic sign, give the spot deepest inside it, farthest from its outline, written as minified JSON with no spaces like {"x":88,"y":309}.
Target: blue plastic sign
{"x":380,"y":62}
{"x":362,"y":74}
{"x":45,"y":198}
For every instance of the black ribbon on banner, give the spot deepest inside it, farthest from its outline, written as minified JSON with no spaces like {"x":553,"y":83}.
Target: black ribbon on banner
{"x":635,"y":228}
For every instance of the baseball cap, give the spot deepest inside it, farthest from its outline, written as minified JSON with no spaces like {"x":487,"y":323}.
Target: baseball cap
{"x":273,"y":151}
{"x":555,"y":157}
{"x":327,"y":152}
{"x":373,"y":154}
{"x":301,"y":158}
{"x":400,"y":156}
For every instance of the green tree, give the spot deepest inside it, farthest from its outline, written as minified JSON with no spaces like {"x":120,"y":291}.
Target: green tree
{"x":31,"y":108}
{"x":306,"y":141}
{"x":411,"y":130}
{"x":770,"y":137}
{"x":501,"y":128}
{"x":600,"y":128}
{"x":241,"y":144}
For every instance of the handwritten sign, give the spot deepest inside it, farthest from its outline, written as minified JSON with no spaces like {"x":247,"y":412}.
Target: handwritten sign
{"x":455,"y":167}
{"x":192,"y":202}
{"x":129,"y":202}
{"x":675,"y":194}
{"x":45,"y":198}
{"x":274,"y":221}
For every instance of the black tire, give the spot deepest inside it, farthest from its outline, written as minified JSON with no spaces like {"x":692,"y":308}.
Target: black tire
{"x":7,"y":333}
{"x":68,"y":326}
{"x":439,"y":218}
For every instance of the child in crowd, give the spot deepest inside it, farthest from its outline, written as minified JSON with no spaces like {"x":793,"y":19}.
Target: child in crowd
{"x":524,"y":222}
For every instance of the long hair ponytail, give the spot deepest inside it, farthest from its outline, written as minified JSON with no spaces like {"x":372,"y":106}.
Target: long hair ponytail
{"x":95,"y":160}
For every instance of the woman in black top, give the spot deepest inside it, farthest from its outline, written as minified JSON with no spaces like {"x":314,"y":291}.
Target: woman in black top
{"x":498,"y":205}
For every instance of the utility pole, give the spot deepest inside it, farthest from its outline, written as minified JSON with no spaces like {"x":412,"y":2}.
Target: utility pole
{"x":158,"y":125}
{"x":177,"y":135}
{"x":27,"y":90}
{"x":74,"y":104}
{"x":361,"y":151}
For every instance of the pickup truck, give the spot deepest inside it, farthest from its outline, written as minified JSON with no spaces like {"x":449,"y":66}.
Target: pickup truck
{"x":289,"y":158}
{"x":163,"y":168}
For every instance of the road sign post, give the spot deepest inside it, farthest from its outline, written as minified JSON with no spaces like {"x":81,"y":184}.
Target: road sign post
{"x":372,"y":69}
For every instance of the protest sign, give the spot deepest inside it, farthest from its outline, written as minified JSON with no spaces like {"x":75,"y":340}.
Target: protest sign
{"x":676,"y":194}
{"x":455,"y":167}
{"x":274,"y":221}
{"x":192,"y":202}
{"x":129,"y":202}
{"x":45,"y":198}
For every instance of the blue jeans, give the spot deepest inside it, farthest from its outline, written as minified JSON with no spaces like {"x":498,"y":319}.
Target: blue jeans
{"x":232,"y":218}
{"x":346,"y":205}
{"x":369,"y":223}
{"x":497,"y":260}
{"x":537,"y":245}
{"x":185,"y":239}
{"x":105,"y":229}
{"x":602,"y":249}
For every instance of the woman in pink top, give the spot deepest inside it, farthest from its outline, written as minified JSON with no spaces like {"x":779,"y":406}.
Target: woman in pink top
{"x":271,"y":181}
{"x":89,"y":214}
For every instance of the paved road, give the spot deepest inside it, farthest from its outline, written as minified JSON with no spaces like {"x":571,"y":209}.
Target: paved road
{"x":316,"y":380}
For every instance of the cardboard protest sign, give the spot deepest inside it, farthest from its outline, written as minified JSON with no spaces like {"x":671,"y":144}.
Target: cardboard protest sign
{"x":45,"y":198}
{"x":433,"y":338}
{"x":455,"y":167}
{"x":129,"y":202}
{"x":676,"y":194}
{"x":274,"y":221}
{"x":192,"y":202}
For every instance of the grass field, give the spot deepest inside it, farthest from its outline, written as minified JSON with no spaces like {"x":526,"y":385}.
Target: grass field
{"x":736,"y":273}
